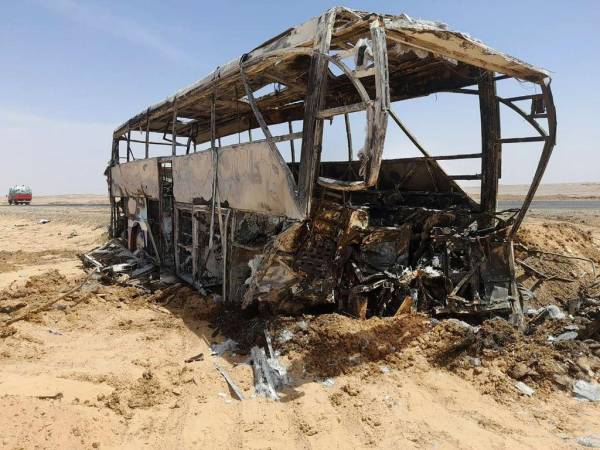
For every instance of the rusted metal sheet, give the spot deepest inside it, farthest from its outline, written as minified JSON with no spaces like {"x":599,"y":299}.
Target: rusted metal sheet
{"x":435,"y":37}
{"x":192,"y":177}
{"x":136,"y":179}
{"x":412,"y":35}
{"x":249,"y":178}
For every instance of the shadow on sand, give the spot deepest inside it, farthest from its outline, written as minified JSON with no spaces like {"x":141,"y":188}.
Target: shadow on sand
{"x":316,"y":347}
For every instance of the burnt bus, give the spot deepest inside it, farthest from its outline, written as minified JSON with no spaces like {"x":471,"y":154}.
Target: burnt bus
{"x":226,"y":183}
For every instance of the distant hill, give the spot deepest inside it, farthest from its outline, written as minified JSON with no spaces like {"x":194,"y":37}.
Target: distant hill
{"x":70,"y":199}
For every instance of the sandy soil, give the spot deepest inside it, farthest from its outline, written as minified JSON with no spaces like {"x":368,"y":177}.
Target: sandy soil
{"x":28,"y":247}
{"x":104,"y":367}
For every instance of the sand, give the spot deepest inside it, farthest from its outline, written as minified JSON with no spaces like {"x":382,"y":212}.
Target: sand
{"x":104,"y":368}
{"x":28,"y":247}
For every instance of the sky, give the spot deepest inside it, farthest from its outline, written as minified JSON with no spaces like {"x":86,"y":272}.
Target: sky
{"x":72,"y":71}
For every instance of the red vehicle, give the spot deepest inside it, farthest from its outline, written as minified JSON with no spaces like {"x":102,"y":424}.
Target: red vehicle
{"x":19,"y":195}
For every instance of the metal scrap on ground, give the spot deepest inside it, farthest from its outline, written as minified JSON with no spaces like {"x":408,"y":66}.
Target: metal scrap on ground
{"x":232,"y":384}
{"x":270,"y":375}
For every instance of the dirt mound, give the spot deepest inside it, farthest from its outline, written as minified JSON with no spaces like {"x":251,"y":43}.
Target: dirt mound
{"x":560,"y":237}
{"x":331,"y":344}
{"x":6,"y":331}
{"x":146,"y":392}
{"x":539,"y":248}
{"x":188,"y":302}
{"x":11,"y":261}
{"x":47,"y":282}
{"x":495,"y":355}
{"x":36,"y":290}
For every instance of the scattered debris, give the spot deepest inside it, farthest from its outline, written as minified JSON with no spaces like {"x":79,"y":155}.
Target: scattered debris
{"x":524,"y":389}
{"x":568,"y":336}
{"x":226,"y":346}
{"x":56,"y":396}
{"x":198,"y":357}
{"x":475,"y":362}
{"x":285,"y":336}
{"x":263,"y":380}
{"x":271,"y":353}
{"x":34,"y":310}
{"x":117,"y":264}
{"x":589,"y":441}
{"x":302,"y":325}
{"x":279,"y":374}
{"x":328,"y":382}
{"x":555,"y":312}
{"x":464,"y":325}
{"x":12,"y":307}
{"x":586,"y":390}
{"x":270,"y":375}
{"x":234,"y":387}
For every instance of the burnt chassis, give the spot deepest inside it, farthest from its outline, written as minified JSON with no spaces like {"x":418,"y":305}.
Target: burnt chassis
{"x":368,"y":236}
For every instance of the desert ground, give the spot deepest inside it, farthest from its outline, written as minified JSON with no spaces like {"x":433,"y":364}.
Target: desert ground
{"x":70,"y":199}
{"x":104,"y":366}
{"x":550,"y":191}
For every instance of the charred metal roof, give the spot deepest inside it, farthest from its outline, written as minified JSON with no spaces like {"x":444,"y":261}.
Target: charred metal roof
{"x":424,"y":57}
